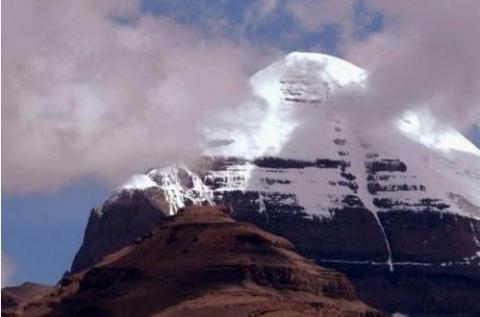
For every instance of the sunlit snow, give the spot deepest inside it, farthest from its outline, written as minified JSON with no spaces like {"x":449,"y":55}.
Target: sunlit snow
{"x":139,"y":181}
{"x":421,"y":127}
{"x":307,"y":128}
{"x":275,"y":120}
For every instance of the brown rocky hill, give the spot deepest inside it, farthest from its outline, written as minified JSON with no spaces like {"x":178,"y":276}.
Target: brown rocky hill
{"x":14,"y":296}
{"x":201,"y":263}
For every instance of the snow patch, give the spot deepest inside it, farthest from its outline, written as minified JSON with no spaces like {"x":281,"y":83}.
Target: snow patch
{"x":139,"y":181}
{"x":180,"y":185}
{"x":280,"y":127}
{"x":422,"y":127}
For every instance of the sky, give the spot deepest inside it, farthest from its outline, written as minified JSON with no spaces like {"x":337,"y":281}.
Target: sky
{"x":95,"y":91}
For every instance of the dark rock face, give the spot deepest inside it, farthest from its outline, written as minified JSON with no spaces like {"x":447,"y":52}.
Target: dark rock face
{"x":104,"y":278}
{"x":432,"y":238}
{"x":202,"y":263}
{"x":276,"y":162}
{"x":434,"y":262}
{"x":118,"y":222}
{"x":337,"y":238}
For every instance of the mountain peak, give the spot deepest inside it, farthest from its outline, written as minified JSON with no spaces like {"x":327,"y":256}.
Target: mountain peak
{"x":338,"y":69}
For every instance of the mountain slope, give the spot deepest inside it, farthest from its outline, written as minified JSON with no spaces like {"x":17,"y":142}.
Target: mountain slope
{"x":15,"y":295}
{"x":202,"y":263}
{"x":384,"y":205}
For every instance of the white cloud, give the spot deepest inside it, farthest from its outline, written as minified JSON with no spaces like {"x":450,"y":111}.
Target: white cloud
{"x":7,"y":271}
{"x":87,"y":96}
{"x":426,"y":57}
{"x":313,"y":14}
{"x":258,"y":11}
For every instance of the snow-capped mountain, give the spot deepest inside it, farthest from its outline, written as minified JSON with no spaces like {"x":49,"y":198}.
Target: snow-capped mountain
{"x":294,"y":118}
{"x":397,"y":199}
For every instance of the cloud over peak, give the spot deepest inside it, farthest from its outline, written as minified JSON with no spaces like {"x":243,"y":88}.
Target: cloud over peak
{"x":426,"y":57}
{"x":94,"y":88}
{"x":107,"y":88}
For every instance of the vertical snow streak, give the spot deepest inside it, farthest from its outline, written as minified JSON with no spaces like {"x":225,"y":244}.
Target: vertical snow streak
{"x":262,"y":208}
{"x":474,"y":234}
{"x":200,"y":190}
{"x":370,"y":207}
{"x":368,"y":202}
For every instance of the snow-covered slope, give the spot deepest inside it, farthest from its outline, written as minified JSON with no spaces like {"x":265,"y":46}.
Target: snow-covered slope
{"x":293,"y":116}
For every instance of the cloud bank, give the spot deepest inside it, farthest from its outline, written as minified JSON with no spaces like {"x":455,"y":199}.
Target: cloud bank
{"x":102,"y":89}
{"x":94,"y":88}
{"x":425,"y":58}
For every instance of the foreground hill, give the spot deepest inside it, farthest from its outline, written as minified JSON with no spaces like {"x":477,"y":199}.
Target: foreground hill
{"x":202,"y":263}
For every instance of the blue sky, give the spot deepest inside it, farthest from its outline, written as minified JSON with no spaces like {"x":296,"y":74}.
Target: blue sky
{"x":474,"y":135}
{"x":41,"y":232}
{"x":279,"y":28}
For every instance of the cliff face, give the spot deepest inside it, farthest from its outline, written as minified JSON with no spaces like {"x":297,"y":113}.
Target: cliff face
{"x":203,"y":263}
{"x":116,"y":223}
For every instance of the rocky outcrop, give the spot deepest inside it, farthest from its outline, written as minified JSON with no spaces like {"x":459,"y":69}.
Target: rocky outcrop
{"x":15,"y":296}
{"x":203,"y":263}
{"x":117,"y":222}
